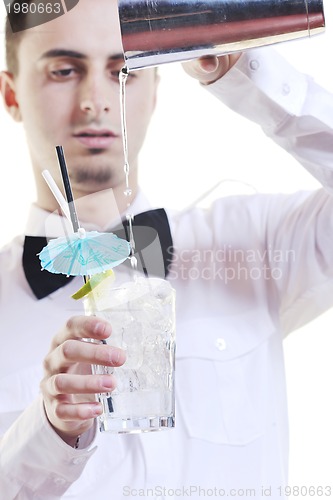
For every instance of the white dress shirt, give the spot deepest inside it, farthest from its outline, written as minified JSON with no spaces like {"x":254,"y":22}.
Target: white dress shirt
{"x":246,"y":272}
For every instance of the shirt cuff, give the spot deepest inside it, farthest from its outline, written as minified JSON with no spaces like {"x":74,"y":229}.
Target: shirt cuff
{"x":37,"y":459}
{"x":263,"y":87}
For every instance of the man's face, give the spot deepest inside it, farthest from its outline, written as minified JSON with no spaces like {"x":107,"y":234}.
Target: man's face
{"x":67,"y":90}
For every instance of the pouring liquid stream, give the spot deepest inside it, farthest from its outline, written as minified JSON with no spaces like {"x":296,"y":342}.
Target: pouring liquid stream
{"x":123,"y":74}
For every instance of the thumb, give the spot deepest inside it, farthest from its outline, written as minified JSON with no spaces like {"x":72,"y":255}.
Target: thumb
{"x":208,"y":69}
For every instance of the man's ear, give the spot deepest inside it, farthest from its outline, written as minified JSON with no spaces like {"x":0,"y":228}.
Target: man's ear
{"x":7,"y":89}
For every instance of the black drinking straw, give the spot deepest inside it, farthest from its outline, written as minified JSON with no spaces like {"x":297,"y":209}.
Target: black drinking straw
{"x":68,"y":189}
{"x":69,"y":194}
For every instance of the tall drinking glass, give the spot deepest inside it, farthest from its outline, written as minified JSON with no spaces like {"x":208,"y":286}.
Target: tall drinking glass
{"x":142,"y":316}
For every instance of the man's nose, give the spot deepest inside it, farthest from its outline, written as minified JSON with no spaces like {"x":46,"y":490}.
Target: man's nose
{"x":95,"y":97}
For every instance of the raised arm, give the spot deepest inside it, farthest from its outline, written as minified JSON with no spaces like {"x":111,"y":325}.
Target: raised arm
{"x":292,"y":109}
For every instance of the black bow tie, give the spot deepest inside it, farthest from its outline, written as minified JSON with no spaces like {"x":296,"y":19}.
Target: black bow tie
{"x":153,"y":250}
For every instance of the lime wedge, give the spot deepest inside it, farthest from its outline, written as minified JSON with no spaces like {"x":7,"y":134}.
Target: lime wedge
{"x":92,"y":283}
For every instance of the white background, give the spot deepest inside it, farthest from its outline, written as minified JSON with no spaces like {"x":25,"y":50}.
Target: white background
{"x":193,"y":143}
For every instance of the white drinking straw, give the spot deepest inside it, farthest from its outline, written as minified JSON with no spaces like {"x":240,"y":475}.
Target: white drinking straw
{"x":62,"y":203}
{"x":57,"y":194}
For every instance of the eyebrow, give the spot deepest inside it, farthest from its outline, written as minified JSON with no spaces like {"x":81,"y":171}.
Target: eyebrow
{"x":53,"y":53}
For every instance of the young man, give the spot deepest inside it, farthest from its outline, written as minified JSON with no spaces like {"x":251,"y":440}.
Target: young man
{"x":232,"y":312}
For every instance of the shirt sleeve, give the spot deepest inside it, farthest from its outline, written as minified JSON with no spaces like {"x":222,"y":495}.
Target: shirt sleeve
{"x":35,"y":462}
{"x":279,"y":262}
{"x":292,"y":109}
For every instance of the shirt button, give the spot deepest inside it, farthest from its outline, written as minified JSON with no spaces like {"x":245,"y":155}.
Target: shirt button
{"x":254,"y":65}
{"x":285,"y":89}
{"x":79,"y":460}
{"x":221,"y":344}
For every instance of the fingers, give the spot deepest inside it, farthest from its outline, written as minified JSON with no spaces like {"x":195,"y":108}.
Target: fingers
{"x":70,"y":401}
{"x":74,"y":351}
{"x":69,"y":388}
{"x":78,"y":412}
{"x":83,"y":327}
{"x":71,"y":418}
{"x":208,"y":69}
{"x":64,"y":383}
{"x":201,"y":69}
{"x":68,"y":346}
{"x":70,"y":414}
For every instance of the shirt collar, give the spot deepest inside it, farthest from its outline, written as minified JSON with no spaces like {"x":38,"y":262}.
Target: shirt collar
{"x":43,"y":223}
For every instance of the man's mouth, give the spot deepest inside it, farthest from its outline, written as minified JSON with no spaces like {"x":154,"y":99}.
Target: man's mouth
{"x":91,"y":138}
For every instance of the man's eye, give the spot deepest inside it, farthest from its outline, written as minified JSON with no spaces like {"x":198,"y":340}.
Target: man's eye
{"x":115,"y":75}
{"x":62,"y":73}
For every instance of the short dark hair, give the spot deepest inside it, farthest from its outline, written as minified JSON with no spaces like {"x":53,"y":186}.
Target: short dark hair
{"x":11,"y":46}
{"x":20,"y":17}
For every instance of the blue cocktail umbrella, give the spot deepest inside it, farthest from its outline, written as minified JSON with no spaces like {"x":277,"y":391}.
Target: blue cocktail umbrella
{"x":82,"y":253}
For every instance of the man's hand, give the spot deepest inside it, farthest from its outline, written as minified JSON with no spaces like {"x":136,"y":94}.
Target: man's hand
{"x":208,"y":69}
{"x":69,"y":387}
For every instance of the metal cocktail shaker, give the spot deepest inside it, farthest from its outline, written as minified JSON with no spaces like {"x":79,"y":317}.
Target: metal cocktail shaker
{"x":161,"y":31}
